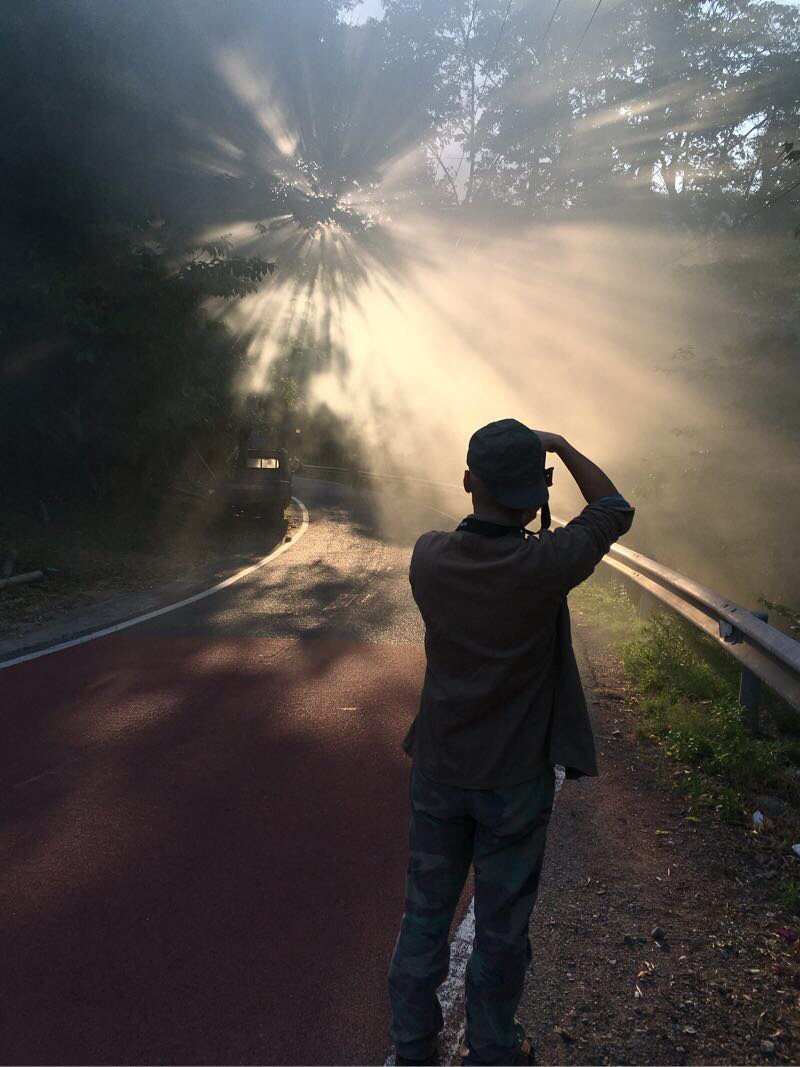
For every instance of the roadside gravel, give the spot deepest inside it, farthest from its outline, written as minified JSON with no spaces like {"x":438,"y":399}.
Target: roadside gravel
{"x":654,"y":938}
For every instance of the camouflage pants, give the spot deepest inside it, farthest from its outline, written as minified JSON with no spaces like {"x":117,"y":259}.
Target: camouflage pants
{"x":502,"y":833}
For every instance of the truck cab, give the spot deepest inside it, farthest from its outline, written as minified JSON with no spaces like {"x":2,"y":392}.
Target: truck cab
{"x":261,"y":481}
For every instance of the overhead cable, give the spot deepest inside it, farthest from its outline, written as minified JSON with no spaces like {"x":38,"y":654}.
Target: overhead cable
{"x":550,"y":23}
{"x":588,"y":27}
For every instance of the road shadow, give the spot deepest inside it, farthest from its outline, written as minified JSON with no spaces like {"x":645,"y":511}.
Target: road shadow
{"x":201,"y":844}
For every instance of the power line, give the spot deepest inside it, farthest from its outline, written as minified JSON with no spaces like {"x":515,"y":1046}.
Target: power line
{"x":493,"y":56}
{"x":500,"y":31}
{"x":588,"y":27}
{"x":481,"y":92}
{"x":550,"y":23}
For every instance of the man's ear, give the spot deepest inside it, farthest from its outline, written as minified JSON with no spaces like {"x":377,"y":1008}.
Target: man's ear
{"x":467,"y":482}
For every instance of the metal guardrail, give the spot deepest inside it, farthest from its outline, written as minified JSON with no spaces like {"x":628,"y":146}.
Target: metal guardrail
{"x":765,"y":653}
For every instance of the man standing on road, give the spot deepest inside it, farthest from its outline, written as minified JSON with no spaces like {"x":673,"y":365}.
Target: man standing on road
{"x":501,"y":704}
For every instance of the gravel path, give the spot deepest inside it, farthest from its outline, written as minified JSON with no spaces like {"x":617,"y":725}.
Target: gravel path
{"x":654,"y":937}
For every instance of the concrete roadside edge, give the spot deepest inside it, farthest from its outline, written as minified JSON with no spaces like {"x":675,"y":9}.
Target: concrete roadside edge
{"x":146,"y":616}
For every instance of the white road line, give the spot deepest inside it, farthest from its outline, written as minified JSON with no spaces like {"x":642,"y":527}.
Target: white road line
{"x":169,"y":607}
{"x":446,"y":514}
{"x":452,"y":989}
{"x":451,"y":992}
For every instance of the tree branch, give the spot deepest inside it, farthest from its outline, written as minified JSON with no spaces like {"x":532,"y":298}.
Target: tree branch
{"x":448,"y":175}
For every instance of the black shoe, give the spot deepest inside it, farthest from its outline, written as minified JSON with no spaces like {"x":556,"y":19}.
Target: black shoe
{"x":403,"y":1061}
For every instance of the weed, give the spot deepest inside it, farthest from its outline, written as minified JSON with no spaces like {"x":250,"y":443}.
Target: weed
{"x":688,"y":704}
{"x":669,"y":657}
{"x":790,"y":895}
{"x":729,"y":806}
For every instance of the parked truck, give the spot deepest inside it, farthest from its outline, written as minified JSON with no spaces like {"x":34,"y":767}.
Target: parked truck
{"x":261,"y":482}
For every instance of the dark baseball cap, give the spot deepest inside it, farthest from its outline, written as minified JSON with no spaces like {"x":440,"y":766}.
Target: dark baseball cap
{"x":509,"y":460}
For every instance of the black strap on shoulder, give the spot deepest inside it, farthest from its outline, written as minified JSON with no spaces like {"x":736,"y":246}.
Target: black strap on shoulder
{"x":490,"y":529}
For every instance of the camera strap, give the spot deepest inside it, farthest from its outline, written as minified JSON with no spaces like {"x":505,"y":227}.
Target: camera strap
{"x":490,"y":529}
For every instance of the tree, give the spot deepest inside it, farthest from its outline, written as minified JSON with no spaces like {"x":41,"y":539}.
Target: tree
{"x":116,"y":356}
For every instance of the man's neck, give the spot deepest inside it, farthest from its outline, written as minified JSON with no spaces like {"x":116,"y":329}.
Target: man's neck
{"x":499,"y":515}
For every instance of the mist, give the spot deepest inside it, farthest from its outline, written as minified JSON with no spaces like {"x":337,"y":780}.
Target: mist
{"x":578,"y":215}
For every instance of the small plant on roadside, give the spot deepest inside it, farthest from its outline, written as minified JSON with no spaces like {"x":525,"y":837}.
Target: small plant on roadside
{"x":667,"y":656}
{"x":693,"y":788}
{"x":689,"y":705}
{"x":712,"y":736}
{"x":729,"y":806}
{"x":790,"y":895}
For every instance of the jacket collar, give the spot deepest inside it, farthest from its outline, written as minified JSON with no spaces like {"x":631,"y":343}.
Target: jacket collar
{"x":490,"y":529}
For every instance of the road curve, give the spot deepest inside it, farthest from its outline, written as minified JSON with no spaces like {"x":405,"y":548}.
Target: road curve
{"x":203,"y":818}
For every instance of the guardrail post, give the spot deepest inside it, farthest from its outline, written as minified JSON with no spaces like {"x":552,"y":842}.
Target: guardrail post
{"x":750,"y":690}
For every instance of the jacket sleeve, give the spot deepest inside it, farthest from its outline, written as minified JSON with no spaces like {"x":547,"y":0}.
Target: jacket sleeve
{"x":416,"y":560}
{"x":581,"y":544}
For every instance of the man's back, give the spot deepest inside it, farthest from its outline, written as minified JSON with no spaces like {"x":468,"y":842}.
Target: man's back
{"x":491,"y":599}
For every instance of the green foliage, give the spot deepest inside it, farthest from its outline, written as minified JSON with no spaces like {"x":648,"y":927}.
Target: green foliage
{"x":790,"y":895}
{"x":140,"y":374}
{"x":689,"y":705}
{"x":125,"y":144}
{"x":729,"y":805}
{"x":115,"y":365}
{"x":677,"y":108}
{"x":712,"y":736}
{"x":671,"y":658}
{"x":216,"y":272}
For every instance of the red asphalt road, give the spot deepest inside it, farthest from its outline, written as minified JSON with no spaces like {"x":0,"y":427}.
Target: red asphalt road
{"x":204,"y":843}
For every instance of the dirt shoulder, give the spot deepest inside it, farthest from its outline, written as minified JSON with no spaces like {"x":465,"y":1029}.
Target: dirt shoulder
{"x":99,"y":581}
{"x":715,"y":983}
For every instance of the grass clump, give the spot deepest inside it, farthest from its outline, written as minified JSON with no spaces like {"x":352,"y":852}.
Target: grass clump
{"x":669,"y":657}
{"x":790,"y":895}
{"x":712,"y":736}
{"x":688,"y":704}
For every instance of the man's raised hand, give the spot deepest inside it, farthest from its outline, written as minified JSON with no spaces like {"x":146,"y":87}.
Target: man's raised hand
{"x":551,"y":442}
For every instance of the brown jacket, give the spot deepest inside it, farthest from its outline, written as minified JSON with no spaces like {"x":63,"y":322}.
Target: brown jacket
{"x":502,"y":697}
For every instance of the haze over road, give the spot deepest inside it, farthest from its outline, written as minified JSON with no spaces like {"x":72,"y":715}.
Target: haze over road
{"x":204,"y":816}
